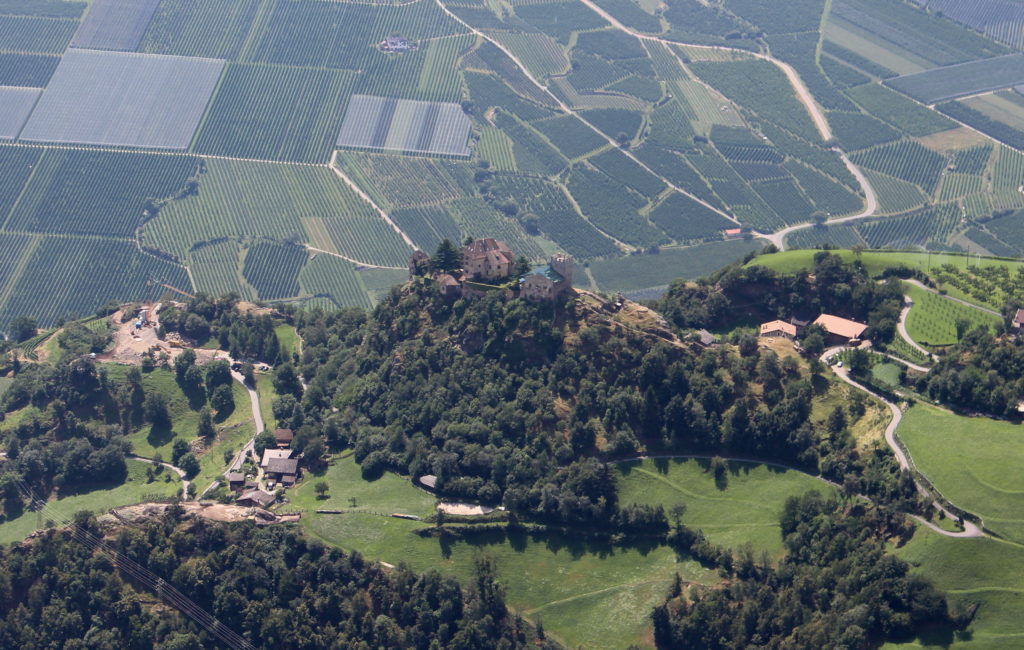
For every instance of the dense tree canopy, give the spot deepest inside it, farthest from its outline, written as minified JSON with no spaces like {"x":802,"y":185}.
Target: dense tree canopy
{"x":273,"y":586}
{"x":836,"y":588}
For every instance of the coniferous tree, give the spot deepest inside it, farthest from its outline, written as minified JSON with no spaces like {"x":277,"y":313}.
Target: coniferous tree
{"x":447,"y":258}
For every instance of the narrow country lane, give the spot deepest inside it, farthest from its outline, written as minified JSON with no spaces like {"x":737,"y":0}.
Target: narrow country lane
{"x":901,"y":328}
{"x":970,"y":528}
{"x":177,"y":470}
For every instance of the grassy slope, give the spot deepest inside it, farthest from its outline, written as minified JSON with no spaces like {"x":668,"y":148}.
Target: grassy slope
{"x":599,"y":595}
{"x":744,"y":507}
{"x":146,"y":442}
{"x":289,"y":339}
{"x":974,"y":462}
{"x":134,"y":490}
{"x":876,"y":261}
{"x":932,"y":319}
{"x":983,"y":572}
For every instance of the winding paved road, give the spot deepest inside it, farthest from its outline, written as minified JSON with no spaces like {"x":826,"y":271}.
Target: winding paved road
{"x":970,"y":528}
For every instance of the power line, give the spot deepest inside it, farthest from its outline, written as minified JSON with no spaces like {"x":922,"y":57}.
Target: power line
{"x":156,"y":584}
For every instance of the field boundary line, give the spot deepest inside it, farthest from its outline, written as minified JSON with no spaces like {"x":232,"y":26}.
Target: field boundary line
{"x":256,"y":27}
{"x":366,"y":197}
{"x":210,"y":102}
{"x":624,"y":585}
{"x":152,"y":152}
{"x":354,"y":261}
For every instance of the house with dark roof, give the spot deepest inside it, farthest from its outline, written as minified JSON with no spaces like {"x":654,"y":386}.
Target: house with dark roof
{"x":256,"y":499}
{"x":283,"y":437}
{"x":236,"y":480}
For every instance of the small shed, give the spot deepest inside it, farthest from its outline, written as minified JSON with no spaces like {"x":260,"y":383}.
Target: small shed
{"x":428,"y":481}
{"x":236,"y":480}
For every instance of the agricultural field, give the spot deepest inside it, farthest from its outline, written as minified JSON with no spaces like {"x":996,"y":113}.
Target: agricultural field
{"x":972,"y":78}
{"x":15,"y":106}
{"x":719,"y":507}
{"x":933,"y":319}
{"x":971,"y":461}
{"x":258,"y":99}
{"x":404,"y":125}
{"x":115,"y":98}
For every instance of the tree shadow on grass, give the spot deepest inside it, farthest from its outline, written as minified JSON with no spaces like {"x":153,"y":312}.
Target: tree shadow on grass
{"x":159,"y":435}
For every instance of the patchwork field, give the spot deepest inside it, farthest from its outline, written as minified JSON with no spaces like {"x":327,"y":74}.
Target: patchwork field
{"x":655,"y":148}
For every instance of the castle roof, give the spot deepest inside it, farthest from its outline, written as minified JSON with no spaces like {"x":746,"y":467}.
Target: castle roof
{"x":489,"y":247}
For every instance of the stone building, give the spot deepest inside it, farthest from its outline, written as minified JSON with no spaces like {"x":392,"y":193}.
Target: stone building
{"x":547,"y":282}
{"x":487,"y":260}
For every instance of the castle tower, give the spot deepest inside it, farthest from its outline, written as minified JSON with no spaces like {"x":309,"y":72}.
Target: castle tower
{"x":563,"y":265}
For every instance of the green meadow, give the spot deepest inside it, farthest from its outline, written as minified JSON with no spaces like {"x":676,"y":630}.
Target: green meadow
{"x":134,"y":490}
{"x":878,"y":261}
{"x":974,"y":462}
{"x":593,"y":593}
{"x":184,"y":412}
{"x":984,"y":573}
{"x":742,"y":506}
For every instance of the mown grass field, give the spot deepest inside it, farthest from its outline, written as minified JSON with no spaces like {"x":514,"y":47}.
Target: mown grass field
{"x":134,"y":490}
{"x":973,"y":461}
{"x":986,"y":573}
{"x":744,"y":506}
{"x":592,"y":593}
{"x":932,"y":319}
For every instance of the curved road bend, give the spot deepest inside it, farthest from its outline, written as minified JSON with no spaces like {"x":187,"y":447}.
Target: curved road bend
{"x":803,"y":95}
{"x":970,"y":528}
{"x":177,"y":470}
{"x":901,"y":327}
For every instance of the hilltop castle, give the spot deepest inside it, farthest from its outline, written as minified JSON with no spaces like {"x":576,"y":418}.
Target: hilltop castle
{"x":489,"y":264}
